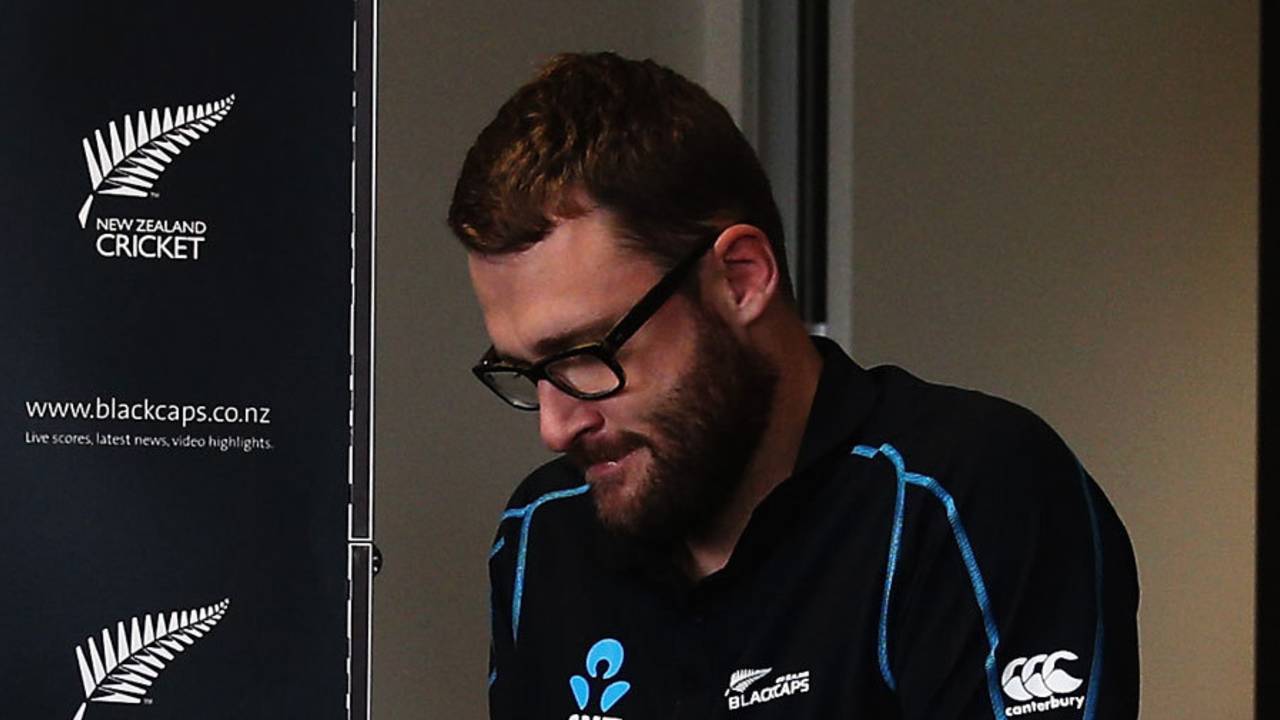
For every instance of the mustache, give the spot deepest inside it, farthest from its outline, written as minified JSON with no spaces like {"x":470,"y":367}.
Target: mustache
{"x":585,"y":453}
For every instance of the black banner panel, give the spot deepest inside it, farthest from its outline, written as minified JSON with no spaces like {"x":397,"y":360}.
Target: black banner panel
{"x":184,"y":358}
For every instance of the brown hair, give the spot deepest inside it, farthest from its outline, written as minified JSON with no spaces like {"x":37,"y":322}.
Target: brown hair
{"x":632,"y":137}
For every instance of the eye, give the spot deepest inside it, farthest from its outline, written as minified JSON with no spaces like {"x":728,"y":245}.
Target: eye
{"x":585,"y":373}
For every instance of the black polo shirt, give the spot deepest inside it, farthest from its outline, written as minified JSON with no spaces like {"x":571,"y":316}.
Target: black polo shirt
{"x":937,"y":553}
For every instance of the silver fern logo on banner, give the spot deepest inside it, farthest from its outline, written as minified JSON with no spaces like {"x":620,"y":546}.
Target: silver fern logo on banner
{"x":130,"y":165}
{"x":126,"y":666}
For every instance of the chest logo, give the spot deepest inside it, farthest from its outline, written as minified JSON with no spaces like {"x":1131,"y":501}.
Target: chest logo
{"x":604,"y":662}
{"x":740,"y":680}
{"x":1037,"y":682}
{"x":740,"y":694}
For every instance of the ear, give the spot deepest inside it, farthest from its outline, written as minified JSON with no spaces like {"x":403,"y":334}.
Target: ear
{"x":750,"y":270}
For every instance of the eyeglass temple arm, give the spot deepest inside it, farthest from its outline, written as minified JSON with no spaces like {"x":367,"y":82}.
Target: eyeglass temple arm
{"x":657,"y":295}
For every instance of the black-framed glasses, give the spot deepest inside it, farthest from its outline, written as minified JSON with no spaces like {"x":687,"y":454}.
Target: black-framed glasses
{"x":590,"y":371}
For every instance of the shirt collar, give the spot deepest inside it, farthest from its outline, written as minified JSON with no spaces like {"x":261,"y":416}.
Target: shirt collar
{"x":844,"y":399}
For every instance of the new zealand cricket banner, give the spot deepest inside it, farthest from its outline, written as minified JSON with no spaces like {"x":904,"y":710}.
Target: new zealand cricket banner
{"x":185,"y":237}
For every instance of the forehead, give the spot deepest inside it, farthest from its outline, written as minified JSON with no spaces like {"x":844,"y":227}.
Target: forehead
{"x":576,"y":279}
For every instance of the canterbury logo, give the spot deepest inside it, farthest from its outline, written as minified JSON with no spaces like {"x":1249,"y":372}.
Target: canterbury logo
{"x":1039,"y":677}
{"x":131,"y":162}
{"x":740,"y":680}
{"x":123,"y":668}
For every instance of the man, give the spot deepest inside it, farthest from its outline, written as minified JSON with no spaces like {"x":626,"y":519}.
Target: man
{"x":744,"y":523}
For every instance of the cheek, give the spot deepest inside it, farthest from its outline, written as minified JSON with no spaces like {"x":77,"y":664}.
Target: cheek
{"x":632,"y":411}
{"x":662,"y":355}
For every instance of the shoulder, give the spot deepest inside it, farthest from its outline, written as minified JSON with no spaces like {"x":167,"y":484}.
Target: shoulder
{"x":907,"y":401}
{"x":549,"y":509}
{"x":551,"y":503}
{"x":969,"y":442}
{"x":993,"y":477}
{"x":554,"y":480}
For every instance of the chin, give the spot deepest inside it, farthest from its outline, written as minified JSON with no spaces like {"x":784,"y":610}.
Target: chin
{"x":619,"y":504}
{"x":619,"y":489}
{"x":638,"y":514}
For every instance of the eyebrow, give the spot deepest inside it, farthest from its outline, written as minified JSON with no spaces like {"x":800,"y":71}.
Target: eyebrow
{"x":592,"y":332}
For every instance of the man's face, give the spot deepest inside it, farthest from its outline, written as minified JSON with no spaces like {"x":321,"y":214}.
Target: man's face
{"x":665,"y":453}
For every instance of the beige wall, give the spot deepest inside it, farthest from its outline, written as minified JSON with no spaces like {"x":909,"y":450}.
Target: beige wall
{"x":448,"y":453}
{"x":1057,"y":202}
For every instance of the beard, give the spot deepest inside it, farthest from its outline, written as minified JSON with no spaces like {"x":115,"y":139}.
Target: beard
{"x":705,"y":431}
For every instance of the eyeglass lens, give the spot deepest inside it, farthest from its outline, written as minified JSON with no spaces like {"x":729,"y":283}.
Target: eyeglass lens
{"x":585,"y":373}
{"x":582,"y":375}
{"x":516,"y":388}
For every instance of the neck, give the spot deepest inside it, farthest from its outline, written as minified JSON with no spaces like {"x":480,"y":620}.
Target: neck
{"x":773,"y":461}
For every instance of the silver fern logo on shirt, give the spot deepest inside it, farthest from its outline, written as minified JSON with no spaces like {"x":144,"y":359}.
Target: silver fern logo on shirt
{"x":129,"y":160}
{"x":740,"y":695}
{"x":128,"y":662}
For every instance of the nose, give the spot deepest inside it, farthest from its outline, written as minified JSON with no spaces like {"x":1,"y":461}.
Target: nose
{"x":562,"y":417}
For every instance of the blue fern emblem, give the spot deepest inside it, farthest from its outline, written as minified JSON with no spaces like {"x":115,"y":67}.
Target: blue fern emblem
{"x":609,"y":653}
